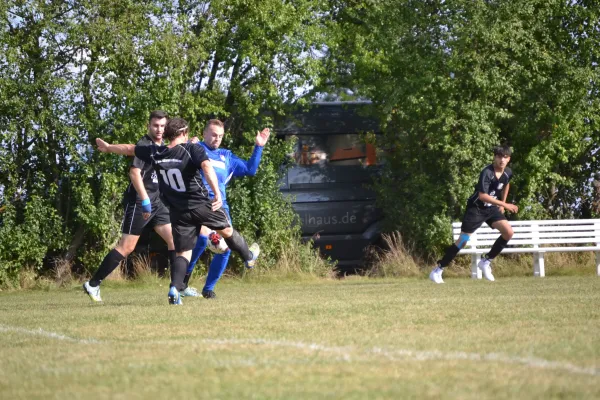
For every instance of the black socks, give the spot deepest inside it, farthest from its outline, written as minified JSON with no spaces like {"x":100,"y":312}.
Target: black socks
{"x":451,"y":252}
{"x":178,"y":271}
{"x":110,"y":262}
{"x":238,"y":244}
{"x":498,"y":246}
{"x":172,"y":254}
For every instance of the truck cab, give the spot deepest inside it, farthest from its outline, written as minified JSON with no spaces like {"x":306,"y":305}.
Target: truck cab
{"x":329,"y":181}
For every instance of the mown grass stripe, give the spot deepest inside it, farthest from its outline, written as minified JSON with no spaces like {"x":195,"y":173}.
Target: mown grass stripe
{"x":347,"y":353}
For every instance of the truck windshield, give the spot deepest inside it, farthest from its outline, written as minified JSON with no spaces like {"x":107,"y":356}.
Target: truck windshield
{"x":334,"y":150}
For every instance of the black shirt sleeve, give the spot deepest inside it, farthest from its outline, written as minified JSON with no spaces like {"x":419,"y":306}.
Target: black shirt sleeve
{"x":143,"y":153}
{"x":137,"y":163}
{"x":198,"y":155}
{"x":509,"y":173}
{"x":485,"y":180}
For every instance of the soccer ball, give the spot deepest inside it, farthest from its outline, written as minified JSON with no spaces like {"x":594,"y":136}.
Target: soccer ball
{"x":216,"y":243}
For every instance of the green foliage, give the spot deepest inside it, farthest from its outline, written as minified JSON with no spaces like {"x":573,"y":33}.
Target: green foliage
{"x":448,"y":79}
{"x":73,"y":71}
{"x":453,"y":79}
{"x":27,"y":237}
{"x":96,"y":212}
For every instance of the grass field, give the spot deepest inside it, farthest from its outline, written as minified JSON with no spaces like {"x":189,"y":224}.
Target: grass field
{"x":353,"y":339}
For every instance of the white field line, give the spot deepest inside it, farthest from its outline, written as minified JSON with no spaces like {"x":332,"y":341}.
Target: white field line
{"x":43,"y":333}
{"x":417,"y":355}
{"x":348,"y":353}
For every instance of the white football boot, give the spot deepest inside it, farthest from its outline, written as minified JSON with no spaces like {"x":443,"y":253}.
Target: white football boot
{"x":485,"y":266}
{"x":93,"y":292}
{"x":255,"y":250}
{"x":436,"y":275}
{"x":190,"y":292}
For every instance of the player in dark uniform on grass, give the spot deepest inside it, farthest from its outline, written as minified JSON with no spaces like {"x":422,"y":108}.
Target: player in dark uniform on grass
{"x":143,"y":208}
{"x":484,"y":206}
{"x":181,"y":187}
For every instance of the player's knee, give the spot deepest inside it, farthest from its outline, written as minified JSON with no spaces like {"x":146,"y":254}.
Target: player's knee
{"x":125,"y":249}
{"x":462,"y":241}
{"x":127,"y":244}
{"x":508,"y":233}
{"x":227,"y":232}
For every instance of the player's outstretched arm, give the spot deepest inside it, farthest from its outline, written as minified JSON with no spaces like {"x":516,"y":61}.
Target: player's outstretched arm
{"x":249,"y":167}
{"x":122,"y":149}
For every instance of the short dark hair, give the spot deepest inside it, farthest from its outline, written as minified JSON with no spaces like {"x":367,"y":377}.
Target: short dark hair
{"x":503,"y":150}
{"x":158,"y":114}
{"x":175,"y":127}
{"x":215,"y":122}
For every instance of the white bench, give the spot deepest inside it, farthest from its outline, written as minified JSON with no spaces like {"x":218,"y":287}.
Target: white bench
{"x":537,"y":237}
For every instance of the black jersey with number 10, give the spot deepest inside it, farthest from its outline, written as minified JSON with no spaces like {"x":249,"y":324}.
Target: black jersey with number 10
{"x":178,"y":173}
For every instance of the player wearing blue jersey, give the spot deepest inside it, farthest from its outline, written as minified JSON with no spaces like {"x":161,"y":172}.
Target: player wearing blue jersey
{"x":226,"y":165}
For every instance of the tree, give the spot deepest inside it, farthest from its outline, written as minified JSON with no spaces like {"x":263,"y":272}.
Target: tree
{"x":75,"y":70}
{"x":452,"y":79}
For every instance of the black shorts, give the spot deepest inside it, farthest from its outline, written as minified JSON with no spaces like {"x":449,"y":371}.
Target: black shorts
{"x":475,"y":217}
{"x":186,"y":224}
{"x":134,"y":223}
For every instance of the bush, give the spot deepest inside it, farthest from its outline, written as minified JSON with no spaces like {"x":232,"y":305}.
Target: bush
{"x":26,"y":236}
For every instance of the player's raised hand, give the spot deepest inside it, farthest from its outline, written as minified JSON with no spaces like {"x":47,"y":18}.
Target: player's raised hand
{"x":102,"y":145}
{"x":262,"y":137}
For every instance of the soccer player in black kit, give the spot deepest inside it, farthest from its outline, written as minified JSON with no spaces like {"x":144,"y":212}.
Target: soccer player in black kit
{"x":177,"y":166}
{"x":143,"y":208}
{"x":484,"y":206}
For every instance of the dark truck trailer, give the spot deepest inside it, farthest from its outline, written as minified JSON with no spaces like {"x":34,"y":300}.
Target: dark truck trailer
{"x":329,"y":182}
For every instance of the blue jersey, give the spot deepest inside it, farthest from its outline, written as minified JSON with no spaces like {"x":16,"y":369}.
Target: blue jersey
{"x":228,"y":165}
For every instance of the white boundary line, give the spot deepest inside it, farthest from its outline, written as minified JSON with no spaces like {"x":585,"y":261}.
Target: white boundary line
{"x":416,"y":355}
{"x":50,"y":335}
{"x":349,"y":353}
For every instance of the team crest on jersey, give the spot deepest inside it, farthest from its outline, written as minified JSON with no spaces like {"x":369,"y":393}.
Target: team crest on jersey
{"x":500,"y":186}
{"x":154,"y":177}
{"x":222,"y":157}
